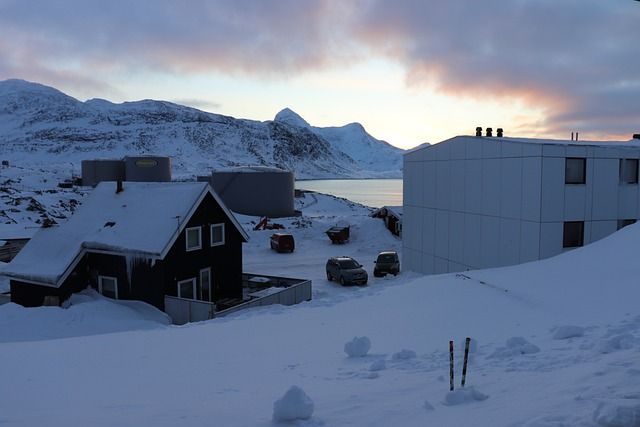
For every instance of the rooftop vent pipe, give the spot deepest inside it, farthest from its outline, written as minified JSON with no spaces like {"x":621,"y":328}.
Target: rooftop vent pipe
{"x":119,"y":187}
{"x":499,"y":132}
{"x":489,"y":132}
{"x":636,"y":136}
{"x":478,"y":131}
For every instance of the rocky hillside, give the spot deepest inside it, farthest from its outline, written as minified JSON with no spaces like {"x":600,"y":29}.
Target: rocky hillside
{"x":41,"y":126}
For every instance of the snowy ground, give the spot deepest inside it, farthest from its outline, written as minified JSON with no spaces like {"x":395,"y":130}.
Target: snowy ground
{"x":555,"y":343}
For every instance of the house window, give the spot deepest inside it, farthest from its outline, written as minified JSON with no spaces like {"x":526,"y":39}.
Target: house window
{"x":628,"y":171}
{"x":108,"y":286}
{"x":194,"y":238}
{"x":204,"y":288}
{"x":217,"y":234}
{"x":624,"y":222}
{"x":573,"y":234}
{"x":574,"y":170}
{"x":187,"y":289}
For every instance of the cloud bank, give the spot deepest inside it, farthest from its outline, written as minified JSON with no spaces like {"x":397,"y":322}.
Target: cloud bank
{"x":576,"y":60}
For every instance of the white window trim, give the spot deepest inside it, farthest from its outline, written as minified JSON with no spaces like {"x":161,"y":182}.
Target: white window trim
{"x":208,"y":270}
{"x":115,"y":279}
{"x":193,"y":287}
{"x":211,"y":235}
{"x":186,"y":239}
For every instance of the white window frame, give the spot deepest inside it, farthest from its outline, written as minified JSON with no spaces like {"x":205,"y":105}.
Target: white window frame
{"x":208,"y":270}
{"x":186,"y":238}
{"x":115,"y":279}
{"x":193,"y":288}
{"x":211,"y":242}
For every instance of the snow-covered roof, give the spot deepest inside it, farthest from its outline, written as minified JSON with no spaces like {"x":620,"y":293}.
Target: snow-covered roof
{"x":16,"y":231}
{"x":144,"y":219}
{"x":395,"y":210}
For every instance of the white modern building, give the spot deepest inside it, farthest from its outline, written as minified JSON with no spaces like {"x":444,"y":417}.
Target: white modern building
{"x":477,"y":202}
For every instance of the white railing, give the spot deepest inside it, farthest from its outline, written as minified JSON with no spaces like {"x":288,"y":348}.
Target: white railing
{"x":184,"y":311}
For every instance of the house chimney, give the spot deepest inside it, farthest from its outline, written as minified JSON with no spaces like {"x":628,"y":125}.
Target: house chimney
{"x":576,"y":136}
{"x":478,"y":131}
{"x":499,"y":132}
{"x":119,"y":187}
{"x":636,"y":136}
{"x":572,"y":136}
{"x":489,"y":132}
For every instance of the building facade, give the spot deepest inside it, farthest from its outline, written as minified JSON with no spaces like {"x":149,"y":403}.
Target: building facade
{"x":479,"y":202}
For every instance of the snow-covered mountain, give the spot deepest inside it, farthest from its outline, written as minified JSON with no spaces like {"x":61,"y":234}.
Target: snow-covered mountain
{"x":370,"y":153}
{"x":40,"y":125}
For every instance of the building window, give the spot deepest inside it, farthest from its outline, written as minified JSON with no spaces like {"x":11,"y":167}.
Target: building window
{"x":622,"y":223}
{"x":108,"y":286}
{"x":204,"y":288}
{"x":217,"y":234}
{"x":628,"y":171}
{"x":575,"y":170}
{"x":187,"y":289}
{"x":573,"y":234}
{"x":194,"y":238}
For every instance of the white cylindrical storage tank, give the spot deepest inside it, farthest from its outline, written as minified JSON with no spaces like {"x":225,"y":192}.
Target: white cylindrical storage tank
{"x":147,"y":168}
{"x":98,"y":170}
{"x":256,"y":190}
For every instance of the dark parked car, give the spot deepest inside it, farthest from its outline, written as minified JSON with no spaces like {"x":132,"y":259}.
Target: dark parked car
{"x":386,"y":263}
{"x":282,"y":242}
{"x":346,"y":270}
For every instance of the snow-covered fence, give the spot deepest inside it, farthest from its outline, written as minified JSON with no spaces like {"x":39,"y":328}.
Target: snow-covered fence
{"x":183,"y":310}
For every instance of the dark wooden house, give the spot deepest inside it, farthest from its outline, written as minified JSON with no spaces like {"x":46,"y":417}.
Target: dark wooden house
{"x":141,"y":241}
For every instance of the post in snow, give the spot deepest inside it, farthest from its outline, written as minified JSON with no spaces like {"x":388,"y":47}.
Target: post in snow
{"x":466,"y":359}
{"x":451,"y":365}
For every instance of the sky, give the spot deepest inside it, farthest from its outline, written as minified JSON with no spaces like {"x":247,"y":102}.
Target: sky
{"x":411,"y":71}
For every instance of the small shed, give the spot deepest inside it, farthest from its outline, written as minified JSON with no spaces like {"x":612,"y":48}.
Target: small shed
{"x":392,"y":216}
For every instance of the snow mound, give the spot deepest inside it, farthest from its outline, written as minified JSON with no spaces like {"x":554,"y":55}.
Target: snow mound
{"x":566,"y":332}
{"x":378,"y":365}
{"x":358,"y":347}
{"x":428,"y":406}
{"x":85,"y":313}
{"x":404,"y":355}
{"x":515,"y":346}
{"x":464,"y":395}
{"x":294,"y":405}
{"x":617,"y":415}
{"x":618,"y":342}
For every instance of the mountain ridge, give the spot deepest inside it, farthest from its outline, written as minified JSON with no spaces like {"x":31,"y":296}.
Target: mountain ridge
{"x":42,"y":125}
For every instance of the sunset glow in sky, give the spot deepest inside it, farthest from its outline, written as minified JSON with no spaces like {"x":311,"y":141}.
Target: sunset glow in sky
{"x":409,"y":71}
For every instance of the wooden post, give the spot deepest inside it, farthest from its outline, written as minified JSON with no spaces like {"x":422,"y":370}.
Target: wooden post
{"x":451,"y":365}
{"x":466,"y":359}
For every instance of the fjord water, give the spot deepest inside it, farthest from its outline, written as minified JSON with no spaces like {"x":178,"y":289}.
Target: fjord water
{"x":370,"y":192}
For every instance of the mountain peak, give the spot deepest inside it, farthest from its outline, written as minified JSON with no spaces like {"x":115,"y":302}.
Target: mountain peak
{"x":290,"y":117}
{"x":19,"y":85}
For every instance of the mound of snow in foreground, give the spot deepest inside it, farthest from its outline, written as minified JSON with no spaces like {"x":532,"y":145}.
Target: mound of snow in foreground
{"x":229,"y":371}
{"x":86,"y":313}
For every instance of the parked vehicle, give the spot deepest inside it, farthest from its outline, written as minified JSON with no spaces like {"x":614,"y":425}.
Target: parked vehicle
{"x":338,"y":234}
{"x":387,"y":262}
{"x":346,"y":270}
{"x":282,"y":242}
